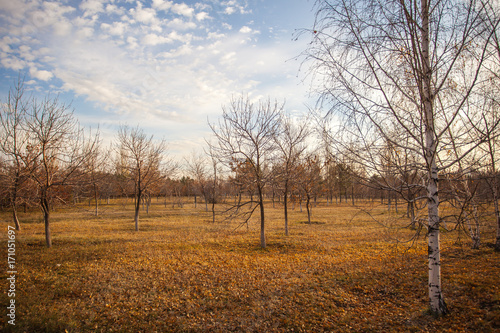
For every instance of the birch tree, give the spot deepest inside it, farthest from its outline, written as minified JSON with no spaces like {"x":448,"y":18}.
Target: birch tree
{"x":405,"y":65}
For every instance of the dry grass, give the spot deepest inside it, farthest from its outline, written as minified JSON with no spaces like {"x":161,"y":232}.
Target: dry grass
{"x":181,"y":273}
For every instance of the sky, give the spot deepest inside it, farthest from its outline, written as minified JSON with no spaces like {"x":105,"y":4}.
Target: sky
{"x":165,"y":66}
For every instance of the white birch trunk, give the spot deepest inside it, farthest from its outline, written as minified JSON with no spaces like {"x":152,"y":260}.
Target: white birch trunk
{"x":436,"y":300}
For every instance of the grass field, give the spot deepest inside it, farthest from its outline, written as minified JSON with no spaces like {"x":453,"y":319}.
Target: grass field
{"x":181,"y":273}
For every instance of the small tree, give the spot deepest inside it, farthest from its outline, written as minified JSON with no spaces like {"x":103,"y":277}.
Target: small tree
{"x":246,"y":142}
{"x":291,"y":145}
{"x":13,"y":143}
{"x":197,"y":168}
{"x":56,"y":153}
{"x":142,"y":159}
{"x":309,"y":179}
{"x":95,"y":169}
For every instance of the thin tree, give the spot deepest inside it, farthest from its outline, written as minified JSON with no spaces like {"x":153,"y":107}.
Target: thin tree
{"x":490,"y":115}
{"x":95,"y":166}
{"x":309,"y":179}
{"x":144,"y":162}
{"x":13,"y":143}
{"x":245,"y":141}
{"x":196,"y":167}
{"x":213,"y":189}
{"x":291,"y":145}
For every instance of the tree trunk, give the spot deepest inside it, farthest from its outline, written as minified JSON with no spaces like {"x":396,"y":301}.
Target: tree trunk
{"x":436,"y":300}
{"x":285,"y":204}
{"x":137,"y":208}
{"x":411,"y":214}
{"x":14,"y":206}
{"x":46,"y":219}
{"x":497,"y":215}
{"x":96,"y":203}
{"x":352,"y":192}
{"x":308,"y":208}
{"x":494,"y":185}
{"x":14,"y":216}
{"x":262,"y":221}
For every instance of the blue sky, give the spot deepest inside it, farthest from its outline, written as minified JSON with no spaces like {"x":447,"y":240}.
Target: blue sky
{"x":164,"y":65}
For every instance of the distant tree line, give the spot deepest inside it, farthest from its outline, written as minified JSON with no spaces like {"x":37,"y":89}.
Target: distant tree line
{"x":261,"y":155}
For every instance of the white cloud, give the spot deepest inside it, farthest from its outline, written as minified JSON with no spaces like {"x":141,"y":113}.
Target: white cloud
{"x":13,"y":63}
{"x":245,"y":30}
{"x":132,"y":42}
{"x":202,"y":16}
{"x":228,"y":58}
{"x":85,"y":32}
{"x":232,"y":6}
{"x":62,"y":28}
{"x":113,"y":9}
{"x":183,"y":50}
{"x":178,"y":24}
{"x":40,"y":74}
{"x":182,"y":9}
{"x":115,"y":29}
{"x":162,"y":5}
{"x":229,"y":10}
{"x":146,"y":15}
{"x":91,"y":7}
{"x":25,"y":53}
{"x":15,"y":9}
{"x":153,"y":39}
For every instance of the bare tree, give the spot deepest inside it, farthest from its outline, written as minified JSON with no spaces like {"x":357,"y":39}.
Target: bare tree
{"x":142,"y":159}
{"x":197,"y":165}
{"x":94,"y":167}
{"x":213,"y":190}
{"x":246,"y":142}
{"x":56,"y":154}
{"x":490,"y":104}
{"x":291,"y":145}
{"x":308,"y":179}
{"x":13,"y":143}
{"x":405,"y":66}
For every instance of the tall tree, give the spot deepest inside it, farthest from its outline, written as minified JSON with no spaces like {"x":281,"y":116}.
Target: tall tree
{"x":245,"y":138}
{"x":143,"y":160}
{"x":405,"y":65}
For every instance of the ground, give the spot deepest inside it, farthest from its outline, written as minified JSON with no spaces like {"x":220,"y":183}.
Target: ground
{"x":345,"y":272}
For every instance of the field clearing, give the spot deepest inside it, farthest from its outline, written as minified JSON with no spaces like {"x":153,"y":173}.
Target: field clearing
{"x":181,"y":273}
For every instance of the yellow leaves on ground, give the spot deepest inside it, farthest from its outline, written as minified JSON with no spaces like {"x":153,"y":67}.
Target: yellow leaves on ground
{"x":181,"y":274}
